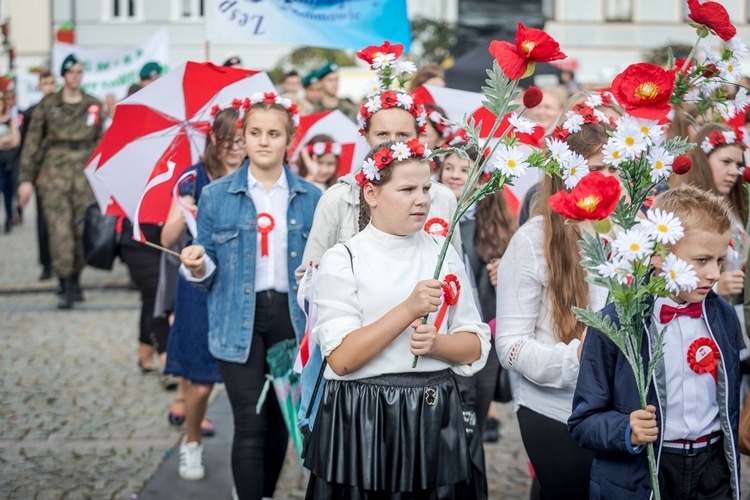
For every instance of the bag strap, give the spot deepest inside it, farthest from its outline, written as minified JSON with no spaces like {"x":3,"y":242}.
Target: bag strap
{"x":325,"y":361}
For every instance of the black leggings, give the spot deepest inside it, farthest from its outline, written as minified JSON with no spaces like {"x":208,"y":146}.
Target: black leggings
{"x":561,"y":466}
{"x":260,"y":440}
{"x":143,"y":262}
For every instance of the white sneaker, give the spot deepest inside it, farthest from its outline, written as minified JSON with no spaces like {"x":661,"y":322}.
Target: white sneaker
{"x":191,"y":461}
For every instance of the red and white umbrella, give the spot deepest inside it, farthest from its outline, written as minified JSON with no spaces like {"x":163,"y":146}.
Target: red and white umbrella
{"x":343,"y":130}
{"x":157,"y":133}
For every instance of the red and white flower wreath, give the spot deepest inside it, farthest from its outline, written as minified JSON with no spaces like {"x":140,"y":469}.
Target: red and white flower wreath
{"x":321,"y":148}
{"x":391,"y":99}
{"x":400,"y":151}
{"x":723,"y":138}
{"x":274,"y":98}
{"x":242,"y":105}
{"x":439,"y":123}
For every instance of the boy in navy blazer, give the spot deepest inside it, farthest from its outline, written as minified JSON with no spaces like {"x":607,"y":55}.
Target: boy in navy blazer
{"x":693,"y":401}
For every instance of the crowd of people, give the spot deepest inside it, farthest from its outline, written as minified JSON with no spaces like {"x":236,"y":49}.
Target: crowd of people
{"x":376,"y":425}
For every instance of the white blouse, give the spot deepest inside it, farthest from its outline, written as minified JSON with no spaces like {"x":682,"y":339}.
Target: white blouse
{"x":525,"y":339}
{"x":352,"y":293}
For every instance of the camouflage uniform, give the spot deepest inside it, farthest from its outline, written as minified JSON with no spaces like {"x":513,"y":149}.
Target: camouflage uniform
{"x":58,"y":143}
{"x":346,"y":106}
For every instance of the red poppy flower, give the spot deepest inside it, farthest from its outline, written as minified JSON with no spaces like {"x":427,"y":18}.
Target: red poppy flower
{"x":607,"y":98}
{"x":587,"y":112}
{"x":389,"y":99}
{"x":416,"y":147}
{"x":593,"y":198}
{"x":645,"y":90}
{"x":681,"y":165}
{"x":532,"y":46}
{"x":368,"y":53}
{"x":269,"y":97}
{"x":560,"y":134}
{"x":236,"y":103}
{"x":532,"y":97}
{"x":215,"y":109}
{"x":746,"y":174}
{"x":383,"y":157}
{"x":293,"y":109}
{"x":710,"y":71}
{"x":713,"y":16}
{"x":679,"y":63}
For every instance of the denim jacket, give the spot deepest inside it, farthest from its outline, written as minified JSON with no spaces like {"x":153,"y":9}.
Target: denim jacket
{"x":227,"y":229}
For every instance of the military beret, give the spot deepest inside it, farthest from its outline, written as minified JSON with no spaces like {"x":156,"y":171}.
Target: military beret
{"x":232,"y":61}
{"x":327,"y":70}
{"x":310,"y":78}
{"x":150,"y":70}
{"x":68,"y":63}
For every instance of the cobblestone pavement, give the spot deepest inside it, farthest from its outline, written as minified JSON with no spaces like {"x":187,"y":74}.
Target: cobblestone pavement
{"x":78,"y":420}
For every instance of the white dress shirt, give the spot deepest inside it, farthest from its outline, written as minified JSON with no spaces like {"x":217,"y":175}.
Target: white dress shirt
{"x":691,"y":407}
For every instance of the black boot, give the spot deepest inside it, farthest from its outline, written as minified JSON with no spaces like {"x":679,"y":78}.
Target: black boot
{"x":77,"y":291}
{"x":46,"y":273}
{"x":66,"y":298}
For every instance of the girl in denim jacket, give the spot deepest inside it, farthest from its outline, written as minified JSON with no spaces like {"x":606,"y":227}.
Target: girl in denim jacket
{"x":252,"y":229}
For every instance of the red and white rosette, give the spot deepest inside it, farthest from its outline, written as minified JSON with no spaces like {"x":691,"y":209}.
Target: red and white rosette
{"x":451,"y":291}
{"x":92,"y":115}
{"x":703,"y":356}
{"x":436,"y":227}
{"x":265,"y":225}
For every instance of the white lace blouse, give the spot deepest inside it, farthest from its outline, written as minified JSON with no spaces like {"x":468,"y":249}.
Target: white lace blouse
{"x":525,"y":341}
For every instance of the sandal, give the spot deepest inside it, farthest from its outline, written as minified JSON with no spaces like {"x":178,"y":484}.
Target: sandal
{"x":144,"y":369}
{"x":207,"y":428}
{"x":175,"y":418}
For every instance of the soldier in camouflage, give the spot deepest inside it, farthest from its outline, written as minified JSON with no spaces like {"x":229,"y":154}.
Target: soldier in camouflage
{"x":328,"y":76}
{"x":65,"y":128}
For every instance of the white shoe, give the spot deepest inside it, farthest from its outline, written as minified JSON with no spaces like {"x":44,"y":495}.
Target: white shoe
{"x":191,"y":461}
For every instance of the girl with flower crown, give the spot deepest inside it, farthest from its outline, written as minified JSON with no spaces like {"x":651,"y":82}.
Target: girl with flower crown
{"x":319,"y":161}
{"x":385,"y":429}
{"x":252,"y":227}
{"x":537,"y":334}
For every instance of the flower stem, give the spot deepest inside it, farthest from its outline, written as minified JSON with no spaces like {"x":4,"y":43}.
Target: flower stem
{"x":690,"y":56}
{"x":650,"y":446}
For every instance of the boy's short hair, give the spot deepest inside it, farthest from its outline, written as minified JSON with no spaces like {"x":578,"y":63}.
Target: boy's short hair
{"x":45,"y":74}
{"x":697,"y":209}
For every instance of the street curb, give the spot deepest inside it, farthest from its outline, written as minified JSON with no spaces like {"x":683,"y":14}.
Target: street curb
{"x":51,"y":286}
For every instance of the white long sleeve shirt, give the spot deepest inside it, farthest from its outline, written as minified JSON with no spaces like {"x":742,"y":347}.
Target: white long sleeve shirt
{"x":385,"y":270}
{"x":525,"y":339}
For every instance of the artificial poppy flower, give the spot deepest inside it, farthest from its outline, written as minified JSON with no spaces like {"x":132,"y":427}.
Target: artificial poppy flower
{"x":269,"y":97}
{"x":594,"y":198}
{"x":587,"y":112}
{"x":681,"y":165}
{"x":389,"y":99}
{"x":415,"y":147}
{"x":679,"y":63}
{"x":713,"y":16}
{"x":368,"y":53}
{"x":746,"y":174}
{"x":560,"y":134}
{"x":532,"y":97}
{"x":383,"y":157}
{"x":645,"y":90}
{"x":532,"y":46}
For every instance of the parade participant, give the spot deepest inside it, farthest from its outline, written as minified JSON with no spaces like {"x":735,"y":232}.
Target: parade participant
{"x":150,"y":72}
{"x":436,"y":130}
{"x":319,"y":161}
{"x":232,"y":62}
{"x":717,"y":166}
{"x":64,"y":130}
{"x":329,"y":100}
{"x":47,"y":86}
{"x":538,"y":336}
{"x":549,"y":111}
{"x":486,"y":230}
{"x":692,"y":413}
{"x":429,"y":74}
{"x":312,"y":87}
{"x":291,"y":83}
{"x":252,"y":226}
{"x":372,"y":294}
{"x":10,"y":138}
{"x":188,"y":356}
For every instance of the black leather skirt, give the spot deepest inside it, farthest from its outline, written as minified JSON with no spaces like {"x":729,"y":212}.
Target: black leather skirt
{"x":393,"y":436}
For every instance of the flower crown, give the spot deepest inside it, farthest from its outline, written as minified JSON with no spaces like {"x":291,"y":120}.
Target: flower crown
{"x":274,"y":98}
{"x":722,"y":138}
{"x":391,"y":99}
{"x":321,"y":148}
{"x":242,"y":105}
{"x":383,"y":157}
{"x":437,"y":121}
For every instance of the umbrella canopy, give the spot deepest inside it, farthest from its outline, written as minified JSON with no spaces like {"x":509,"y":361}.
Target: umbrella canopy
{"x":157,"y":133}
{"x":341,"y":128}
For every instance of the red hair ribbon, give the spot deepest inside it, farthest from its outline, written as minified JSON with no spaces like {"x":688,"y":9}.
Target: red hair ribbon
{"x":703,"y":356}
{"x":451,"y":291}
{"x":265,"y":225}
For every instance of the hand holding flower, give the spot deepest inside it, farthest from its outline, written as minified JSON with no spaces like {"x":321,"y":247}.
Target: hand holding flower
{"x":425,"y":298}
{"x":423,"y":339}
{"x":643,"y":429}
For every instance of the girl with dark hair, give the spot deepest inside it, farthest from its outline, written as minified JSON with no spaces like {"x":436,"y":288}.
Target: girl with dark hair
{"x":319,"y":161}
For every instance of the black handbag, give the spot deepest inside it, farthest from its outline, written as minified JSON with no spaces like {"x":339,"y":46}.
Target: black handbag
{"x":101,"y":242}
{"x":503,"y":388}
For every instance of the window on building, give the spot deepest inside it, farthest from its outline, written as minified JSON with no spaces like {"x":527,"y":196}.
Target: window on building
{"x":124,"y":9}
{"x":618,"y":10}
{"x":191,"y":8}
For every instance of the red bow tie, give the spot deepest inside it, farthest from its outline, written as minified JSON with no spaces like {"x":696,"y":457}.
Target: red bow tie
{"x":668,"y":313}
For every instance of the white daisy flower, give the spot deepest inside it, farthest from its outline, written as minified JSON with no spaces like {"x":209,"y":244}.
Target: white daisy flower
{"x":741,"y":100}
{"x":593,"y":100}
{"x":730,"y":136}
{"x":633,"y":244}
{"x":693,"y":95}
{"x":404,"y":100}
{"x":406,"y":66}
{"x":613,"y":155}
{"x":373,"y":104}
{"x":629,"y":139}
{"x":618,"y":270}
{"x":601,"y":115}
{"x":661,"y":163}
{"x":510,"y":161}
{"x":650,"y":129}
{"x":727,"y":110}
{"x":295,"y":120}
{"x":573,"y":122}
{"x":663,"y":226}
{"x":336,"y":149}
{"x":678,"y":274}
{"x":370,"y":169}
{"x":574,"y":169}
{"x":730,"y":69}
{"x":374,"y":86}
{"x":361,"y":122}
{"x":401,"y":151}
{"x":381,"y":60}
{"x":739,"y":49}
{"x":559,"y":150}
{"x":706,"y":145}
{"x":711,"y":56}
{"x":521,"y":125}
{"x":319,"y":148}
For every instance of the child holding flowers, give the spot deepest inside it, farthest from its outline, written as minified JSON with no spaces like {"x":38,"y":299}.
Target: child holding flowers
{"x":384,"y":428}
{"x":692,"y":401}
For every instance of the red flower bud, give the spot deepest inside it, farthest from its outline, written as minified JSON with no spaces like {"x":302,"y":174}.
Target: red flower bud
{"x":746,"y":174}
{"x":681,"y":165}
{"x":532,"y":97}
{"x":710,"y":71}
